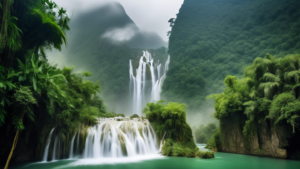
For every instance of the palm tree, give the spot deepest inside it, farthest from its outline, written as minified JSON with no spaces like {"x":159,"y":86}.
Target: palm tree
{"x":64,"y":20}
{"x":44,"y":31}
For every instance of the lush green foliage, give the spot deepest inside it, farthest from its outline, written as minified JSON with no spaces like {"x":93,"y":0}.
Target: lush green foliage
{"x":171,"y":148}
{"x":269,"y":90}
{"x":170,"y":118}
{"x":206,"y":154}
{"x":169,"y":123}
{"x":33,"y":93}
{"x":134,"y":116}
{"x":204,"y":133}
{"x":68,"y":99}
{"x":211,"y":39}
{"x":214,"y":142}
{"x":36,"y":27}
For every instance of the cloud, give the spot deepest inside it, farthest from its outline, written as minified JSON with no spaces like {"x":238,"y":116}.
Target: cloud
{"x":135,"y":37}
{"x":150,"y":15}
{"x":121,"y":34}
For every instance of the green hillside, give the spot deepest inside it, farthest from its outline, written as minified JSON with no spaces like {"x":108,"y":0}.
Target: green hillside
{"x":214,"y":38}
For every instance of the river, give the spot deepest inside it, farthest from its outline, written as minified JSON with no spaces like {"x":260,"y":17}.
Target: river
{"x":221,"y":161}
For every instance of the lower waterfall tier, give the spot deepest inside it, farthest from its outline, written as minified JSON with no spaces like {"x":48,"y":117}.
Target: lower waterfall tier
{"x":118,"y":139}
{"x":108,"y":139}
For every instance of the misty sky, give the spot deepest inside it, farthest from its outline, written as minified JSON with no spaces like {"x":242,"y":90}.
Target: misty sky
{"x":149,"y":15}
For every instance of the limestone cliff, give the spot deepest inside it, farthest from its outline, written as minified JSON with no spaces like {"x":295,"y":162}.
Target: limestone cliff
{"x":271,"y":141}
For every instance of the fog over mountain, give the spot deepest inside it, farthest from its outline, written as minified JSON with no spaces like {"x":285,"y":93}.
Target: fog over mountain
{"x":102,"y":41}
{"x":150,"y":16}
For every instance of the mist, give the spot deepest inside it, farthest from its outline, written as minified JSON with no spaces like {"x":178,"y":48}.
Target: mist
{"x":134,"y":37}
{"x":118,"y":35}
{"x":150,"y":16}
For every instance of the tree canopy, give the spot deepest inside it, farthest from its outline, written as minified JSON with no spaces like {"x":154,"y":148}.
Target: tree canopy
{"x":269,"y":90}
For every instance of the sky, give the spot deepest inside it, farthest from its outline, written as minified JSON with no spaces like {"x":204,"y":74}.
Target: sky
{"x":149,"y":15}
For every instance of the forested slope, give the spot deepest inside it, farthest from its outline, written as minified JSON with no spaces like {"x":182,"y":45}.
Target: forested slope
{"x":213,"y":38}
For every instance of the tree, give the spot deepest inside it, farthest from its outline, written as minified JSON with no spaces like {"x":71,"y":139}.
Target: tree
{"x":33,"y":28}
{"x":169,"y":123}
{"x":171,"y":21}
{"x":285,"y":107}
{"x":24,"y":98}
{"x":269,"y":90}
{"x":6,"y":85}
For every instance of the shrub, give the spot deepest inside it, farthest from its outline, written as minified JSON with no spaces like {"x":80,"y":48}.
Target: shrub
{"x":167,"y":147}
{"x":206,"y":154}
{"x":134,"y":116}
{"x":177,"y":150}
{"x":120,"y":115}
{"x":189,"y":152}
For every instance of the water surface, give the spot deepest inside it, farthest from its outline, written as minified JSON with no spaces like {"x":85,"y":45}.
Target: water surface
{"x":221,"y":161}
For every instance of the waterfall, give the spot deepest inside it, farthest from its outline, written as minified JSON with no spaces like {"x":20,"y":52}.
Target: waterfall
{"x":45,"y":156}
{"x":109,"y":139}
{"x":72,"y":146}
{"x":138,"y":83}
{"x":54,"y":149}
{"x":116,"y":139}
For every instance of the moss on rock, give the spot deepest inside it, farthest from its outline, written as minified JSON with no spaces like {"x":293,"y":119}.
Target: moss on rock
{"x":169,"y":123}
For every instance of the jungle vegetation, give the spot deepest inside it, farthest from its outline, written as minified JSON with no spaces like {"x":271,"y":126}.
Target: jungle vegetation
{"x":169,"y":123}
{"x":204,"y":133}
{"x":34,"y":94}
{"x":134,"y":116}
{"x":269,"y":91}
{"x":211,"y":39}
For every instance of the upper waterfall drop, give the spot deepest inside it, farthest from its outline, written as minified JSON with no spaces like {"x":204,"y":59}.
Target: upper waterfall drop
{"x":138,"y":81}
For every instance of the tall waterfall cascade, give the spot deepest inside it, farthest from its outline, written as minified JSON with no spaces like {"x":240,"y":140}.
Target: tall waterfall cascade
{"x":108,"y":139}
{"x":138,"y":81}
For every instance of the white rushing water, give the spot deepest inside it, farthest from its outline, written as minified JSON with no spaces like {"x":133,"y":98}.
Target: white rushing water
{"x":116,"y":139}
{"x":109,"y":141}
{"x":138,"y":81}
{"x":54,"y":149}
{"x":45,"y":156}
{"x":72,"y":146}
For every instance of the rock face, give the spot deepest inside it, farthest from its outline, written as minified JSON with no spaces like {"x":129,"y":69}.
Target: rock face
{"x":268,"y":141}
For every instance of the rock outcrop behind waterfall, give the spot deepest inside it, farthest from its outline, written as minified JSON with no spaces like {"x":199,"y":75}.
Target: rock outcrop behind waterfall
{"x":270,"y":141}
